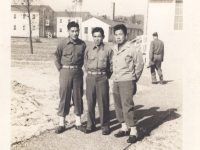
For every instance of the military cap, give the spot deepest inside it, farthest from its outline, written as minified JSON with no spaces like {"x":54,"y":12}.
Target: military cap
{"x":155,"y":34}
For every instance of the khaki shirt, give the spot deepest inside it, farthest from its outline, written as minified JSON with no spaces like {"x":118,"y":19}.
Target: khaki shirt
{"x":127,"y":63}
{"x":99,"y":59}
{"x":69,"y":53}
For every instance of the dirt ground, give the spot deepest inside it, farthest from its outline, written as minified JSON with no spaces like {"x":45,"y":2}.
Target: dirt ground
{"x":158,"y":108}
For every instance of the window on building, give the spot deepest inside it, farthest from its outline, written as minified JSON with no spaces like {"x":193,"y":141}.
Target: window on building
{"x":14,"y":16}
{"x":86,"y":30}
{"x":33,"y":27}
{"x":24,"y":16}
{"x":60,"y":20}
{"x":68,"y":20}
{"x":33,"y":16}
{"x":110,"y":29}
{"x":60,"y":29}
{"x":15,"y":27}
{"x":24,"y":27}
{"x":178,"y":20}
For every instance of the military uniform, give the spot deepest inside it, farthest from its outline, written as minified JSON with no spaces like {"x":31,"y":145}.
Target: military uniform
{"x":69,"y":59}
{"x":156,"y":57}
{"x":98,"y":64}
{"x":127,"y":68}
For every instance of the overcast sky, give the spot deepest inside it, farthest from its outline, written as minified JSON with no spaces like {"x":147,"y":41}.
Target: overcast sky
{"x":102,"y":7}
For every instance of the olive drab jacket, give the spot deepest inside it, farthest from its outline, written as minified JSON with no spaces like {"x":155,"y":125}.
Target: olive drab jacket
{"x":156,"y":48}
{"x":127,"y":63}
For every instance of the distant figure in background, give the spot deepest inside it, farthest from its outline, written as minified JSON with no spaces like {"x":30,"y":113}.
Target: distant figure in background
{"x":69,"y":58}
{"x":156,"y":57}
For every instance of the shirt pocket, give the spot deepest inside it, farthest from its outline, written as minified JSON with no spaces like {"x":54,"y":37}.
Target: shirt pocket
{"x":102,"y":62}
{"x":67,"y":53}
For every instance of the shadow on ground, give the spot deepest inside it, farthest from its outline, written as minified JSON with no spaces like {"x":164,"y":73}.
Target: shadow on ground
{"x":147,"y":119}
{"x":165,"y":81}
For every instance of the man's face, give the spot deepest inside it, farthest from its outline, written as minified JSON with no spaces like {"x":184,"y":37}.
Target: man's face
{"x":73,"y":33}
{"x":98,"y":38}
{"x":119,"y":36}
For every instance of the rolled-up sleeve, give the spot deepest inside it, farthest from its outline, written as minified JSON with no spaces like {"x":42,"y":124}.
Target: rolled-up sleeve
{"x":138,"y":62}
{"x":57,"y":57}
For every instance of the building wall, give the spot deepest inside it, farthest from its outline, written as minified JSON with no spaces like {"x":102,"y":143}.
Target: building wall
{"x":63,"y":26}
{"x":46,"y":14}
{"x":90,"y":24}
{"x":161,"y":19}
{"x":20,"y":22}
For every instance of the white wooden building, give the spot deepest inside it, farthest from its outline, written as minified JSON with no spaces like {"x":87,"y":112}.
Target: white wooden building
{"x":133,"y":30}
{"x":20,"y":24}
{"x":63,"y":18}
{"x":176,"y":21}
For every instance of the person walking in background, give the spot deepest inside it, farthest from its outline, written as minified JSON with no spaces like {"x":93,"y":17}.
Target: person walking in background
{"x":98,"y":65}
{"x":156,"y":57}
{"x":127,"y":68}
{"x":69,"y":59}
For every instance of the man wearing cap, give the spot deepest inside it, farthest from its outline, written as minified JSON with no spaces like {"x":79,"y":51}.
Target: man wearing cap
{"x":127,"y":68}
{"x":98,"y":65}
{"x":156,"y":57}
{"x":69,"y":58}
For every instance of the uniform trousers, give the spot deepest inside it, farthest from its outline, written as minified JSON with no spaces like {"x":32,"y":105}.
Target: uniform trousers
{"x":71,"y":85}
{"x":97,"y":89}
{"x":157,"y":60}
{"x":123,"y":92}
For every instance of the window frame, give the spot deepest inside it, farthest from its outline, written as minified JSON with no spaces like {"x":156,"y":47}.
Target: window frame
{"x":85,"y":30}
{"x":178,"y":17}
{"x":33,"y":16}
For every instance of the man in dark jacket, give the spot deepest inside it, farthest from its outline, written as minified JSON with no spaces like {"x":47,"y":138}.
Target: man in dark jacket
{"x":156,"y":57}
{"x":69,"y":58}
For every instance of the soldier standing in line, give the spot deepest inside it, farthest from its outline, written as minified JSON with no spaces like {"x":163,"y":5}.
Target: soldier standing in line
{"x":98,"y":64}
{"x":156,"y":57}
{"x":69,"y":58}
{"x":127,"y":68}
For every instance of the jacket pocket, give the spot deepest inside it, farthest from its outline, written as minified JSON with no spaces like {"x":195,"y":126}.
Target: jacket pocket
{"x":91,"y":57}
{"x":129,"y":62}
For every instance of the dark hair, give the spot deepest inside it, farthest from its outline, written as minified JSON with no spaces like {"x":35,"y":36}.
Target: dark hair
{"x":98,"y":29}
{"x":72,"y":24}
{"x":120,"y":27}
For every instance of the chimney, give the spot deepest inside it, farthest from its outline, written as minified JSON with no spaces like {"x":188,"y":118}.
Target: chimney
{"x":112,"y":17}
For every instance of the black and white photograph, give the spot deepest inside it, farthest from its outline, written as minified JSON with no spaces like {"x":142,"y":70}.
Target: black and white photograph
{"x":100,"y":74}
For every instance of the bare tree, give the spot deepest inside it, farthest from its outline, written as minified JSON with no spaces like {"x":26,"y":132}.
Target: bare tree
{"x":26,"y":7}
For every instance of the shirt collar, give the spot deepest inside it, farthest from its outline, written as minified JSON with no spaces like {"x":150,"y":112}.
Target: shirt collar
{"x":99,"y":47}
{"x":69,"y":40}
{"x":125,"y":46}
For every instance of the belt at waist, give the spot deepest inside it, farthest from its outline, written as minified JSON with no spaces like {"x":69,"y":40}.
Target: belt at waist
{"x":71,"y":67}
{"x":96,"y":72}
